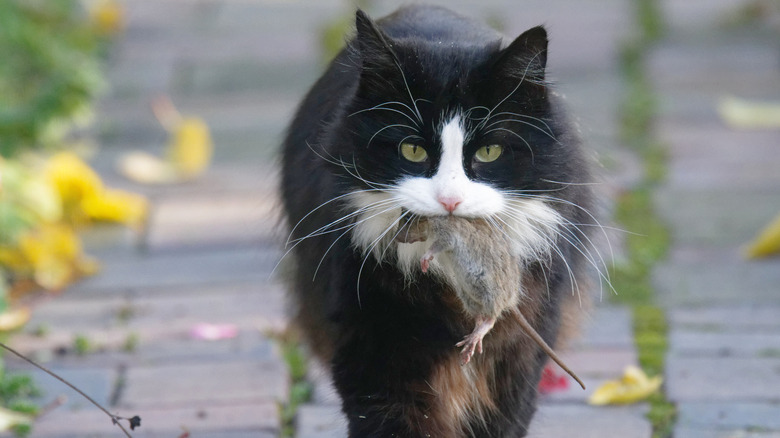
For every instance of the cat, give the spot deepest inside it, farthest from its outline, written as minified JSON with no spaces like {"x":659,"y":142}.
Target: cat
{"x":428,"y":113}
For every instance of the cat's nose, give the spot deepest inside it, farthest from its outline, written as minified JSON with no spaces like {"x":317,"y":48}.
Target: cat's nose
{"x":450,"y":204}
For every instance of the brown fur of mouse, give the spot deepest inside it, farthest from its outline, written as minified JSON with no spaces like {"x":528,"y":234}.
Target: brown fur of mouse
{"x":488,"y":272}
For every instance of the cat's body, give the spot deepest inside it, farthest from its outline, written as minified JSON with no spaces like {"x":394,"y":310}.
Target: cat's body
{"x":427,"y":114}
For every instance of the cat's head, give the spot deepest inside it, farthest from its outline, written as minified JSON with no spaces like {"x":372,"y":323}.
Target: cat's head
{"x":441,"y":127}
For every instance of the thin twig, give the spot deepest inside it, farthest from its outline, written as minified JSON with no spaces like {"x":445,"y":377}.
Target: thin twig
{"x":114,"y":418}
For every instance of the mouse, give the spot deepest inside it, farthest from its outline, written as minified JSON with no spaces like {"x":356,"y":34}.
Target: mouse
{"x":488,"y":270}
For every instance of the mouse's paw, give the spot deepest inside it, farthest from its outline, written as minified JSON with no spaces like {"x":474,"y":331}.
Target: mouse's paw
{"x":470,"y":344}
{"x":425,"y":261}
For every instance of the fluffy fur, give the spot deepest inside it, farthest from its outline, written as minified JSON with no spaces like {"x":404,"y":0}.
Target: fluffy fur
{"x":425,"y":79}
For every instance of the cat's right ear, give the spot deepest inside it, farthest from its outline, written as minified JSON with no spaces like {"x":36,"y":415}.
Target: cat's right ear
{"x":375,"y":49}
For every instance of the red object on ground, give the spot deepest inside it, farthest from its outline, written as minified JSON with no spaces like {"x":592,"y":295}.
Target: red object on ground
{"x":552,"y":382}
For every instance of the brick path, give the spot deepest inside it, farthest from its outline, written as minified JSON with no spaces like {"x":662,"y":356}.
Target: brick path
{"x":211,"y":243}
{"x":723,"y":368}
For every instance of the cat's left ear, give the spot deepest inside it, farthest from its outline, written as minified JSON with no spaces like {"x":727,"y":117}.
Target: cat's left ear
{"x":525,"y":58}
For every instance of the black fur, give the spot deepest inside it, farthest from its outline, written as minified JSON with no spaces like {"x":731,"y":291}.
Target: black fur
{"x":385,"y":337}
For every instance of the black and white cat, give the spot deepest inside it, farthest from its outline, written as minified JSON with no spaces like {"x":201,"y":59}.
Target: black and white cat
{"x":427,"y":113}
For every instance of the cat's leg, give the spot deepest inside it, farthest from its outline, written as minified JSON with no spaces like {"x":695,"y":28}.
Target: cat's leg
{"x":381,"y":372}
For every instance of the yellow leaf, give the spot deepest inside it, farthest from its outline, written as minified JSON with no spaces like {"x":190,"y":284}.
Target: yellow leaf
{"x":745,"y":114}
{"x":107,"y":16}
{"x":116,"y":206}
{"x":767,"y":242}
{"x":13,"y":319}
{"x":144,"y":168}
{"x":634,"y":386}
{"x":190,"y":148}
{"x":9,"y":419}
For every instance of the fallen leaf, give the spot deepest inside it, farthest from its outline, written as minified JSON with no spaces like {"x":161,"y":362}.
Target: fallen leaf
{"x":145,"y":168}
{"x":631,"y":388}
{"x":13,"y":319}
{"x":745,"y":114}
{"x":767,"y":242}
{"x":188,"y":154}
{"x":214,"y":332}
{"x":107,"y":16}
{"x":9,"y":419}
{"x":116,"y":206}
{"x":191,"y":148}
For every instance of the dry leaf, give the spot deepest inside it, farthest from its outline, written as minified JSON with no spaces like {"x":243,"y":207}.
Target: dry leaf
{"x":145,"y":168}
{"x":191,"y":148}
{"x":9,"y":419}
{"x":116,"y":206}
{"x":107,"y":16}
{"x":214,"y":332}
{"x":13,"y":319}
{"x":189,"y":151}
{"x":767,"y":242}
{"x":744,"y":114}
{"x":634,"y":386}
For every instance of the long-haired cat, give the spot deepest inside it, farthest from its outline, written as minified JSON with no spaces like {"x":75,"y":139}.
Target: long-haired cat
{"x":426,"y":113}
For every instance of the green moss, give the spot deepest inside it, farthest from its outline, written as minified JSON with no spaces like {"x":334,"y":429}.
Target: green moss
{"x":635,"y":212}
{"x":82,"y":345}
{"x":300,"y":389}
{"x":131,"y":343}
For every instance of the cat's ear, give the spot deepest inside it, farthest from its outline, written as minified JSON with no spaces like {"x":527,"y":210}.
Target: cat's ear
{"x":525,"y":58}
{"x":374,"y":48}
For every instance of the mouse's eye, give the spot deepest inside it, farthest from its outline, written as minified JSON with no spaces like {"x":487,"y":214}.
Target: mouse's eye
{"x":487,"y":154}
{"x":413,"y":153}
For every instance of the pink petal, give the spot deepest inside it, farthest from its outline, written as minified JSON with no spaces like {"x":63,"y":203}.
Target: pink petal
{"x":213,"y":332}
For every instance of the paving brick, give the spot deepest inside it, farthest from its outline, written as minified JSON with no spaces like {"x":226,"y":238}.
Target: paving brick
{"x":729,"y":378}
{"x":745,"y":317}
{"x":728,"y":168}
{"x":159,"y":319}
{"x":98,"y":383}
{"x":719,"y":344}
{"x":182,"y":269}
{"x":730,"y":416}
{"x":608,"y":327}
{"x":218,"y":382}
{"x":320,"y":421}
{"x":726,"y":283}
{"x":588,"y":421}
{"x":247,"y":218}
{"x":598,"y":362}
{"x":250,"y":419}
{"x":683,"y":432}
{"x":719,"y":218}
{"x":715,"y":65}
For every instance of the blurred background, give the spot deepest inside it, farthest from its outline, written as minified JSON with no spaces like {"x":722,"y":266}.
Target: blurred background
{"x":139,"y":222}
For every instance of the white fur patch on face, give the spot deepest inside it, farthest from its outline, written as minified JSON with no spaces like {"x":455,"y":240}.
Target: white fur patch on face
{"x":450,"y":191}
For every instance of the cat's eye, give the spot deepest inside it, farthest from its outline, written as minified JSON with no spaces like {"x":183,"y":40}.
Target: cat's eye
{"x":486,"y":154}
{"x":414,"y":153}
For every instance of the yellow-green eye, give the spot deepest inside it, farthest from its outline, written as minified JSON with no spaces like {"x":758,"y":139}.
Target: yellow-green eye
{"x":486,"y":154}
{"x":413,"y":153}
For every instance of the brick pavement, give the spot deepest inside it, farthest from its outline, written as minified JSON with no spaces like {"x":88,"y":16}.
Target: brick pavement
{"x":723,"y":186}
{"x":211,"y":243}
